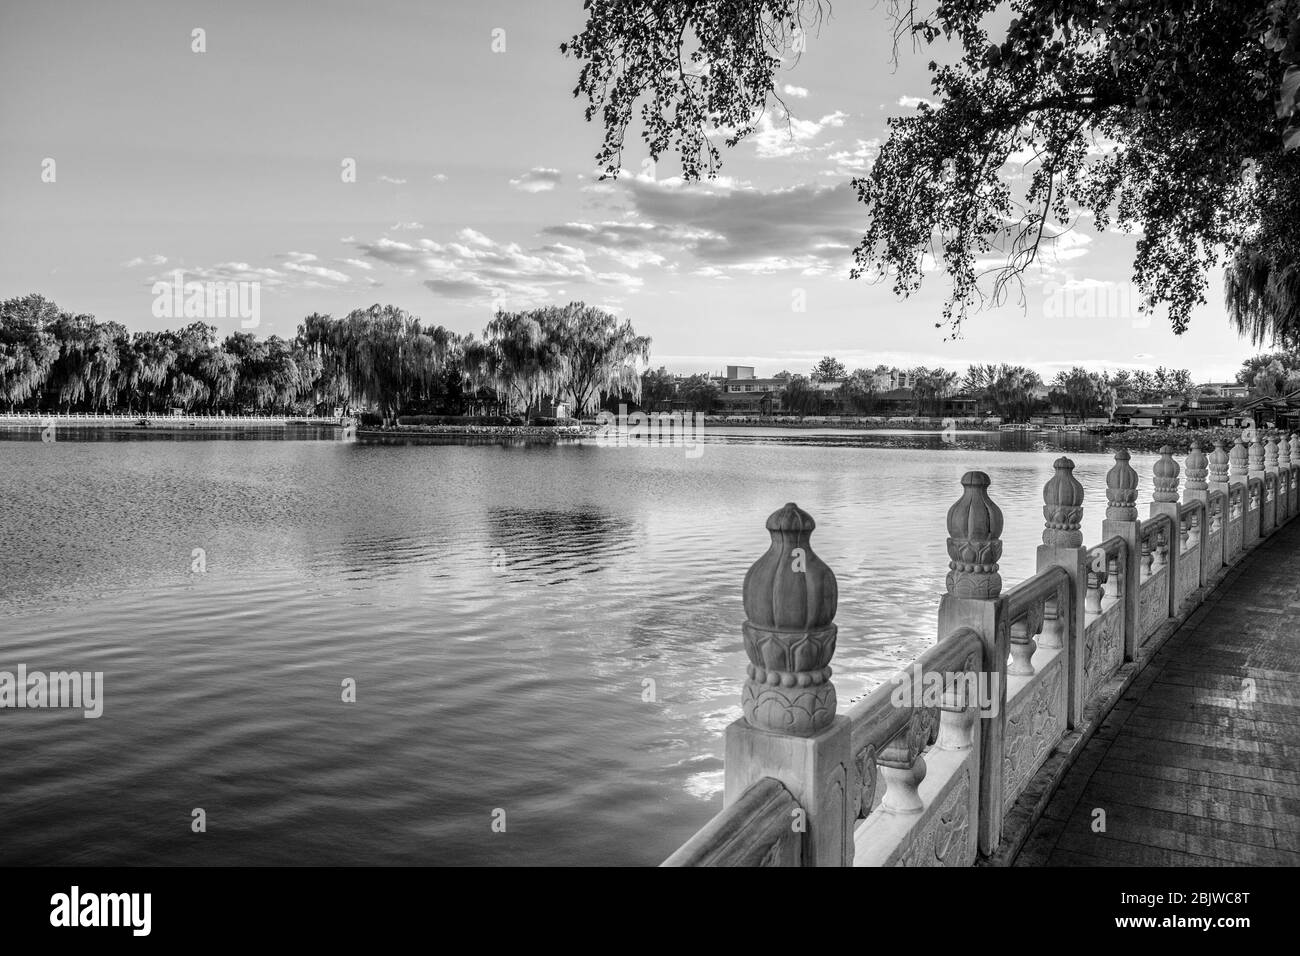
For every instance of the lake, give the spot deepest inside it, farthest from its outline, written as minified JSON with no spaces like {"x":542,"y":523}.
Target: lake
{"x":504,"y":613}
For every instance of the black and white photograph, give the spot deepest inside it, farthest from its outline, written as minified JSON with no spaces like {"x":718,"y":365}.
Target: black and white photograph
{"x":650,"y":434}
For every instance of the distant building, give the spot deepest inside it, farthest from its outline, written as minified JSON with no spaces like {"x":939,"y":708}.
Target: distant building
{"x":735,"y":372}
{"x":1223,"y":390}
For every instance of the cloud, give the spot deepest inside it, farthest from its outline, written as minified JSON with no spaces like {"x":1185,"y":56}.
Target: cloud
{"x":912,"y":102}
{"x":539,"y":179}
{"x":299,"y":262}
{"x":853,"y":162}
{"x":790,"y":137}
{"x":358,"y":264}
{"x":733,"y":228}
{"x":795,"y":91}
{"x":393,"y":180}
{"x":474,"y":266}
{"x":439,"y":177}
{"x":226,"y":272}
{"x":154,"y":260}
{"x":407,"y":225}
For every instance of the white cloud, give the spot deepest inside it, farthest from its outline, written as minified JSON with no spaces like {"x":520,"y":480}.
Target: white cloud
{"x":912,"y":102}
{"x":154,"y":260}
{"x":474,"y":266}
{"x":539,"y":179}
{"x":853,"y":162}
{"x":790,"y":137}
{"x":300,"y":262}
{"x":358,"y":264}
{"x":732,"y":228}
{"x":795,"y":91}
{"x":393,"y":180}
{"x":407,"y":225}
{"x":439,"y":177}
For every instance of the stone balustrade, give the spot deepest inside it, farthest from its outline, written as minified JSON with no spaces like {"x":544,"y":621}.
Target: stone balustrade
{"x":929,"y":768}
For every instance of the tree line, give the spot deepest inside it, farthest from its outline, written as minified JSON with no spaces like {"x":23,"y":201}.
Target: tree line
{"x":1010,"y":391}
{"x":378,"y":358}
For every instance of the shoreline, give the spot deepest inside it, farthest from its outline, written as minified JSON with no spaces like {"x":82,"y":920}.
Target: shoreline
{"x":434,"y":434}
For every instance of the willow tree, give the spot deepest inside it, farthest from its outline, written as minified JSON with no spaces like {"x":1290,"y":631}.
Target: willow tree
{"x":1176,"y":116}
{"x":28,"y":349}
{"x":519,"y":358}
{"x":599,"y":355}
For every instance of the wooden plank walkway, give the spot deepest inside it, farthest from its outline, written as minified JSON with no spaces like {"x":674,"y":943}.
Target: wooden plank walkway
{"x":1199,"y":763}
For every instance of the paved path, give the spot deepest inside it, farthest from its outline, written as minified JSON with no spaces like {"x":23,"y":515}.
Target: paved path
{"x":1199,"y":763}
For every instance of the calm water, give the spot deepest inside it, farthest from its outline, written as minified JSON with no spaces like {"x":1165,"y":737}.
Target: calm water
{"x":500,"y":609}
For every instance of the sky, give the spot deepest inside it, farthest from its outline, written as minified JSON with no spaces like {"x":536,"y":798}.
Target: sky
{"x":476,"y":187}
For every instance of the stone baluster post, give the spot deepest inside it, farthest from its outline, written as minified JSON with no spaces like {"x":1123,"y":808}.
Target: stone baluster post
{"x":973,"y":587}
{"x":1116,"y":590}
{"x":1165,"y":502}
{"x":1063,"y":545}
{"x":1270,"y":453}
{"x":790,"y":730}
{"x":1122,"y":519}
{"x":1160,"y":551}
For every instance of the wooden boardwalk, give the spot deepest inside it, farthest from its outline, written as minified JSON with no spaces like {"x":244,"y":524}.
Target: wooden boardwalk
{"x":1199,"y":762}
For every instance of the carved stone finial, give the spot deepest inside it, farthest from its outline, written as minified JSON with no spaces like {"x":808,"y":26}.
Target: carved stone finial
{"x":1255,"y":460}
{"x":1219,"y":464}
{"x":1063,"y":507}
{"x":1283,"y":453}
{"x":1165,"y":473}
{"x":1198,"y":466}
{"x":1122,"y":489}
{"x":1270,"y":454}
{"x":974,"y":541}
{"x":790,"y":600}
{"x":1237,"y":460}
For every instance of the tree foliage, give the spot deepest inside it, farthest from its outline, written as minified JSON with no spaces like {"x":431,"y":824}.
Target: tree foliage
{"x":1164,"y":116}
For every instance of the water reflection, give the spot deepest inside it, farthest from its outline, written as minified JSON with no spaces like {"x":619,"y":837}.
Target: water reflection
{"x":553,"y":546}
{"x":584,"y":682}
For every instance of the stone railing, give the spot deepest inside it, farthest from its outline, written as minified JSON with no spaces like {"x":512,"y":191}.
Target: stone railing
{"x":928,"y":769}
{"x":41,"y":419}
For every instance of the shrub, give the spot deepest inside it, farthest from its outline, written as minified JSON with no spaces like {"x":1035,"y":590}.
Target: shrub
{"x":454,"y":420}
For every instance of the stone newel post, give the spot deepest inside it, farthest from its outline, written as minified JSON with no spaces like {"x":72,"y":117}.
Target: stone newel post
{"x":1285,"y":478}
{"x":1219,"y":469}
{"x":973,"y":587}
{"x":1237,"y":459}
{"x":1198,"y":489}
{"x":1164,"y":501}
{"x":1063,"y":545}
{"x":1255,"y":458}
{"x":1122,"y":519}
{"x":790,"y":730}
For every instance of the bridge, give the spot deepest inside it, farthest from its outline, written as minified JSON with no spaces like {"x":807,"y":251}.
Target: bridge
{"x":1130,"y":703}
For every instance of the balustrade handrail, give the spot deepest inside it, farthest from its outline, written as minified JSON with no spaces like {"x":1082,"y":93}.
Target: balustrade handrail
{"x":746,"y":832}
{"x":1021,"y":599}
{"x":1154,"y":524}
{"x":876,"y":718}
